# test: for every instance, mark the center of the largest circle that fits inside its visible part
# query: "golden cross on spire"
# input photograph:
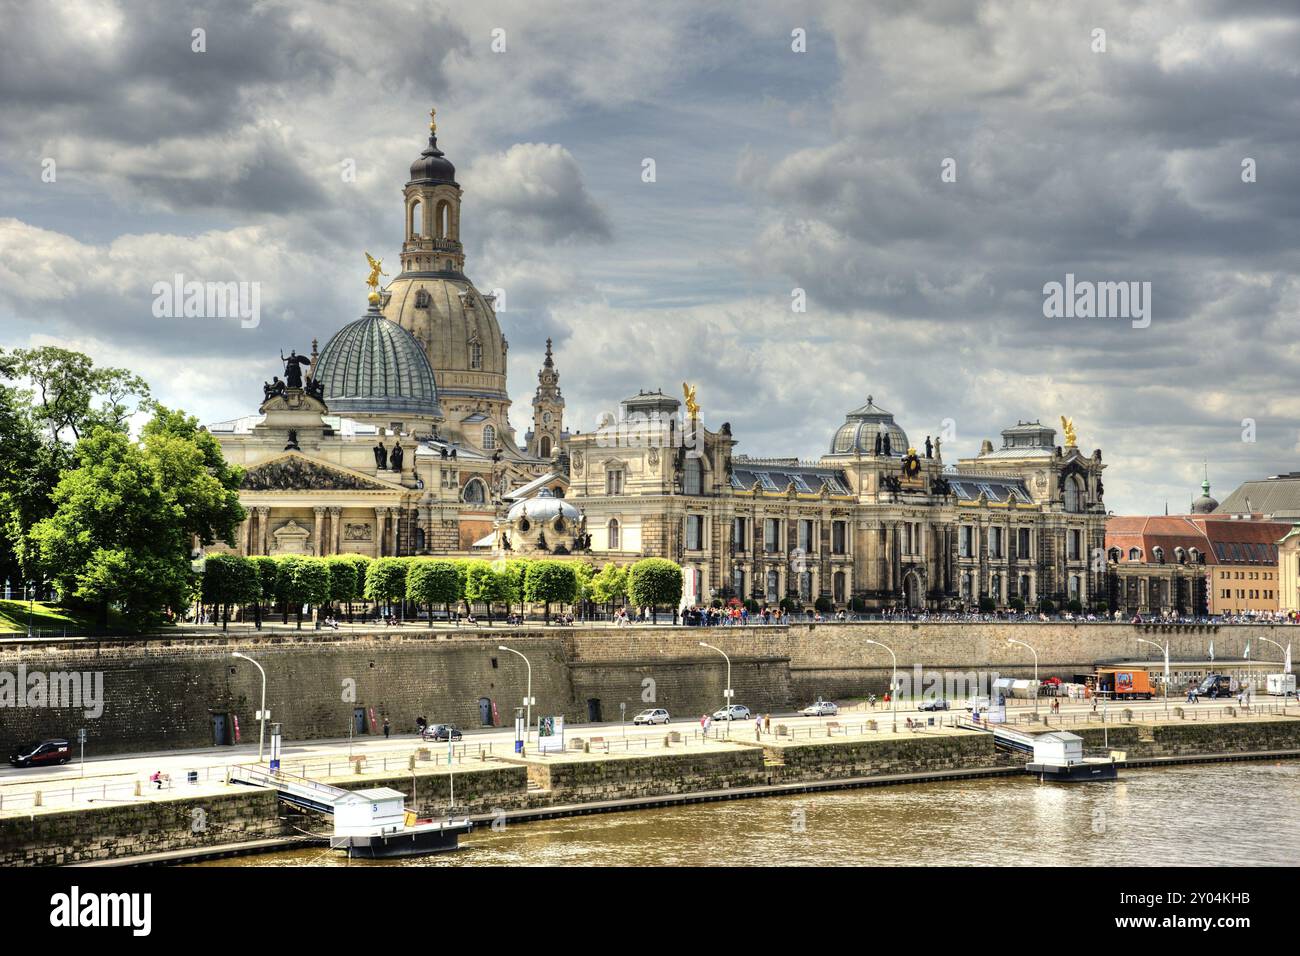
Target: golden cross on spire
(433, 122)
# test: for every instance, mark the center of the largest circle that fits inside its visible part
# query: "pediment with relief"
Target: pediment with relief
(299, 473)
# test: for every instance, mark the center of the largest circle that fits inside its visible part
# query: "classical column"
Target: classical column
(381, 515)
(396, 514)
(245, 530)
(336, 531)
(317, 545)
(264, 529)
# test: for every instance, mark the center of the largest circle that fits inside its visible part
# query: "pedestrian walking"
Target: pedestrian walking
(387, 729)
(758, 726)
(767, 723)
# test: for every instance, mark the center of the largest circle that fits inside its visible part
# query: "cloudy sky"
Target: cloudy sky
(775, 170)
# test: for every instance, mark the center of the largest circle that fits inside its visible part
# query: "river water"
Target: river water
(1214, 814)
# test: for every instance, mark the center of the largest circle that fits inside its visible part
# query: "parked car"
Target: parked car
(738, 712)
(656, 716)
(41, 753)
(821, 708)
(934, 705)
(440, 732)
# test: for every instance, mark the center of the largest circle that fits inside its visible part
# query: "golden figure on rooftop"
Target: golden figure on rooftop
(1067, 426)
(376, 270)
(692, 406)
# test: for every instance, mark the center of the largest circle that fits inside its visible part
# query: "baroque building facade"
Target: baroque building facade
(398, 441)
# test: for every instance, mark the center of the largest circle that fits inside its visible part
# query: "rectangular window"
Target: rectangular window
(614, 482)
(771, 534)
(1022, 543)
(738, 533)
(1073, 545)
(806, 535)
(839, 536)
(695, 532)
(995, 542)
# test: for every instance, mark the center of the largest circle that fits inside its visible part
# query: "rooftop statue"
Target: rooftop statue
(376, 270)
(293, 368)
(1067, 426)
(692, 406)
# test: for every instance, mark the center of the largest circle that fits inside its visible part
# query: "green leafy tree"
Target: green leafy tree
(484, 584)
(386, 580)
(361, 564)
(228, 579)
(301, 581)
(610, 585)
(550, 582)
(652, 582)
(344, 586)
(267, 570)
(71, 395)
(125, 517)
(431, 582)
(515, 570)
(584, 572)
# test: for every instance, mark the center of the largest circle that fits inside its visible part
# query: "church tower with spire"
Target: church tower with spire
(434, 300)
(548, 411)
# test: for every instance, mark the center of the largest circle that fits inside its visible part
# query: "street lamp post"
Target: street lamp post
(261, 733)
(893, 682)
(1012, 640)
(1164, 650)
(728, 693)
(528, 698)
(1286, 660)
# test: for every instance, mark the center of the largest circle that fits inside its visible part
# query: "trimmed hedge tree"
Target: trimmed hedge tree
(430, 582)
(550, 582)
(655, 581)
(386, 580)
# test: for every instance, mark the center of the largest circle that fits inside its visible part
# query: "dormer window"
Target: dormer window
(422, 299)
(489, 438)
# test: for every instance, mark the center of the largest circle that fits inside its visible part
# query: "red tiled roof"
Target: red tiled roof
(1202, 532)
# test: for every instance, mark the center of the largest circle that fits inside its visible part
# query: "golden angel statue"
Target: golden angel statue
(376, 270)
(692, 406)
(1067, 426)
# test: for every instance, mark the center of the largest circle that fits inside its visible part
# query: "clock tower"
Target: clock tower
(548, 411)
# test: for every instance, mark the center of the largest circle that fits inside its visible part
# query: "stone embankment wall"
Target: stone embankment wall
(56, 838)
(162, 694)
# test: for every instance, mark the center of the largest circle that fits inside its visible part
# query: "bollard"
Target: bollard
(137, 788)
(36, 797)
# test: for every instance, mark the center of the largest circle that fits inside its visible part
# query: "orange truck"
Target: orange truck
(1124, 684)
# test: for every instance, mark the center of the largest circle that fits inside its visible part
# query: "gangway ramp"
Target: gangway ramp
(300, 791)
(1004, 737)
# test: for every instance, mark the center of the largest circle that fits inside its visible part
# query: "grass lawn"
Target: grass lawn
(13, 617)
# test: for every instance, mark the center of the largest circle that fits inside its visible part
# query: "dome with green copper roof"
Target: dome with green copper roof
(374, 367)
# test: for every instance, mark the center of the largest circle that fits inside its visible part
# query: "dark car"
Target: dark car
(41, 753)
(934, 705)
(440, 732)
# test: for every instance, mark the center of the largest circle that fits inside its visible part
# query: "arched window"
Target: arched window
(1114, 554)
(419, 539)
(1197, 557)
(489, 438)
(475, 355)
(443, 220)
(417, 220)
(544, 447)
(738, 581)
(475, 491)
(1074, 587)
(1180, 555)
(995, 587)
(613, 534)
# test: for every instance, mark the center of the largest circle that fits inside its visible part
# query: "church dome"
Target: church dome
(375, 367)
(861, 426)
(543, 509)
(433, 166)
(1205, 504)
(457, 327)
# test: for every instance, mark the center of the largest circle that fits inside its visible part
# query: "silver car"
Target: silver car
(738, 712)
(656, 716)
(821, 708)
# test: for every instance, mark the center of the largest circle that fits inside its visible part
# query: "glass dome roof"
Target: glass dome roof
(374, 366)
(861, 426)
